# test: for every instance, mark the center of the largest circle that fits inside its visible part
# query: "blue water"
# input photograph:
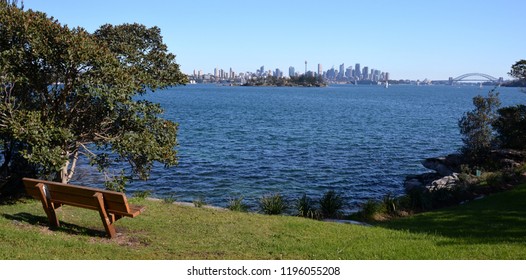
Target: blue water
(361, 141)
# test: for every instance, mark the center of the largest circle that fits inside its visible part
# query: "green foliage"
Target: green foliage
(518, 70)
(309, 81)
(116, 183)
(510, 126)
(272, 204)
(369, 210)
(331, 204)
(142, 194)
(67, 93)
(417, 200)
(170, 199)
(237, 204)
(476, 127)
(390, 204)
(306, 209)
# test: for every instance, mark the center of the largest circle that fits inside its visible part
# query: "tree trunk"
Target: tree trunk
(67, 172)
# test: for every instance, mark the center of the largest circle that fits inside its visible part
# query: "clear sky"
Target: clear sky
(410, 39)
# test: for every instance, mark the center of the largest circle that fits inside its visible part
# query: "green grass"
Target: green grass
(491, 228)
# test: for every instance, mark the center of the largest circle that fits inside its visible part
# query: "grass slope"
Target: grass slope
(491, 228)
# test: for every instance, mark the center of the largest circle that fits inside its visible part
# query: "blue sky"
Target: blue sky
(409, 39)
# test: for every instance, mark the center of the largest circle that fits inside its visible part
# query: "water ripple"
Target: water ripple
(358, 140)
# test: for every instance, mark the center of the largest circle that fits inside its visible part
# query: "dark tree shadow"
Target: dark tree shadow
(499, 218)
(64, 226)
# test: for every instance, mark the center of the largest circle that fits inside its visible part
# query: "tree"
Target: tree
(510, 126)
(67, 93)
(518, 70)
(476, 128)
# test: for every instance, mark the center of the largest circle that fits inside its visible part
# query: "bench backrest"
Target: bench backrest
(114, 202)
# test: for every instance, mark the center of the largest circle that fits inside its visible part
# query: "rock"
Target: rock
(430, 182)
(439, 165)
(412, 184)
(509, 154)
(446, 182)
(415, 182)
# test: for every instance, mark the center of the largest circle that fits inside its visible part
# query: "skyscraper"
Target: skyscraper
(292, 71)
(365, 73)
(320, 70)
(357, 71)
(348, 72)
(341, 73)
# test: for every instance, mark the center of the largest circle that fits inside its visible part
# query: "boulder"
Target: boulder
(411, 184)
(430, 182)
(446, 182)
(439, 165)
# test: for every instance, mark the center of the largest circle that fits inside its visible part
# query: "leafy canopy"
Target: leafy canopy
(65, 93)
(518, 70)
(476, 127)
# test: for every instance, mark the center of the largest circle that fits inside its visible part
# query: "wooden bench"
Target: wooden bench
(111, 205)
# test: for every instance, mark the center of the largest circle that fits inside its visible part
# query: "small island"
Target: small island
(298, 81)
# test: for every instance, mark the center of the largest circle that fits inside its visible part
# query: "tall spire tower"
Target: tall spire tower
(305, 67)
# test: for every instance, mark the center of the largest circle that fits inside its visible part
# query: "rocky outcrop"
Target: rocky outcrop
(507, 158)
(445, 174)
(446, 169)
(445, 166)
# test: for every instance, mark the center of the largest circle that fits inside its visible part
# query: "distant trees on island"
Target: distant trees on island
(302, 81)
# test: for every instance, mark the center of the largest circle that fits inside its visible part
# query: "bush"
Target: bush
(331, 205)
(236, 204)
(272, 204)
(170, 199)
(510, 126)
(390, 205)
(476, 128)
(305, 208)
(417, 200)
(142, 194)
(370, 209)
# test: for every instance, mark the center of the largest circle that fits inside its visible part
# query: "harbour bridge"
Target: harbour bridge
(475, 77)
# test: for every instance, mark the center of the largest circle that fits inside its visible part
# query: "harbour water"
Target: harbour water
(361, 141)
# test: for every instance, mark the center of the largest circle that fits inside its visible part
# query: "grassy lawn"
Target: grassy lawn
(490, 228)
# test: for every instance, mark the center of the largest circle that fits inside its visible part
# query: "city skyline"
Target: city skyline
(412, 39)
(350, 73)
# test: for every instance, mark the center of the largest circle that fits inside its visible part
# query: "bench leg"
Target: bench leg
(49, 208)
(108, 225)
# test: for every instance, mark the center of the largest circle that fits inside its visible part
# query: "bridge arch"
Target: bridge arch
(475, 77)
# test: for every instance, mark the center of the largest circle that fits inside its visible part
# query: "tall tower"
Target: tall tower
(291, 71)
(305, 67)
(357, 70)
(320, 70)
(341, 73)
(365, 73)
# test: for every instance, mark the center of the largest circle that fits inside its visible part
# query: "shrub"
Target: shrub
(476, 127)
(236, 204)
(370, 209)
(510, 127)
(331, 205)
(170, 199)
(142, 194)
(305, 208)
(390, 204)
(272, 204)
(417, 200)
